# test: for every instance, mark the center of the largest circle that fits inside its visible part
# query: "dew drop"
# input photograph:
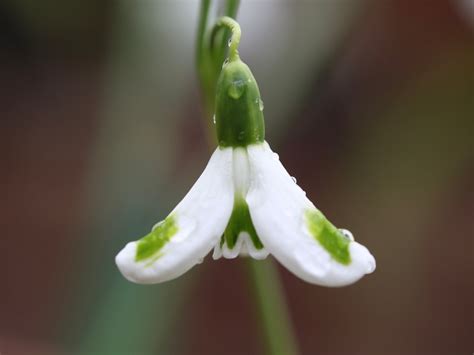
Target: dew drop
(259, 102)
(249, 80)
(236, 89)
(347, 234)
(214, 119)
(230, 42)
(294, 179)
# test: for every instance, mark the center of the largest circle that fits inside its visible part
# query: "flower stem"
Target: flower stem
(203, 16)
(269, 294)
(235, 38)
(273, 311)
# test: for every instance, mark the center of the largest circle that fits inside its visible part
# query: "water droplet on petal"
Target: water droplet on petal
(236, 89)
(214, 119)
(294, 179)
(347, 234)
(230, 42)
(259, 102)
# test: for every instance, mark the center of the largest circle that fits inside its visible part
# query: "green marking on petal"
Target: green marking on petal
(330, 238)
(240, 221)
(150, 245)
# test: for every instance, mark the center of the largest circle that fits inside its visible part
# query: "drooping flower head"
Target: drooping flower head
(245, 203)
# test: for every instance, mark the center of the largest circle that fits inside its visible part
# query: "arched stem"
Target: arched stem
(234, 39)
(279, 335)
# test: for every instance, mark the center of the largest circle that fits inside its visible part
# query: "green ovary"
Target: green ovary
(240, 221)
(330, 238)
(239, 112)
(150, 245)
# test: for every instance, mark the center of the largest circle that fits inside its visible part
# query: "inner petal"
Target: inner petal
(240, 221)
(240, 237)
(240, 171)
(244, 247)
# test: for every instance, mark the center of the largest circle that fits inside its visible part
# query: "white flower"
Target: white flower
(246, 203)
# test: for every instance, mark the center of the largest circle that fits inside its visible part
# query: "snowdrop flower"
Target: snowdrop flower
(245, 203)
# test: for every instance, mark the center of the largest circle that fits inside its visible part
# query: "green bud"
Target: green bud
(239, 108)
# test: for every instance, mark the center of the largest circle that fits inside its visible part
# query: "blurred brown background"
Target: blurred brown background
(370, 104)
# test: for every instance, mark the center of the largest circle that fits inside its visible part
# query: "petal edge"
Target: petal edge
(200, 218)
(278, 207)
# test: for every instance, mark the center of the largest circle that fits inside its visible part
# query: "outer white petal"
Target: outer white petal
(277, 207)
(201, 218)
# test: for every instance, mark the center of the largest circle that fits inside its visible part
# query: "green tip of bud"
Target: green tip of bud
(239, 108)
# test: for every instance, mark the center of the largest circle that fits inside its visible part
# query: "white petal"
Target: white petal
(201, 218)
(277, 207)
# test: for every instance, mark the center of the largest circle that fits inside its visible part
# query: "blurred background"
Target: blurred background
(370, 105)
